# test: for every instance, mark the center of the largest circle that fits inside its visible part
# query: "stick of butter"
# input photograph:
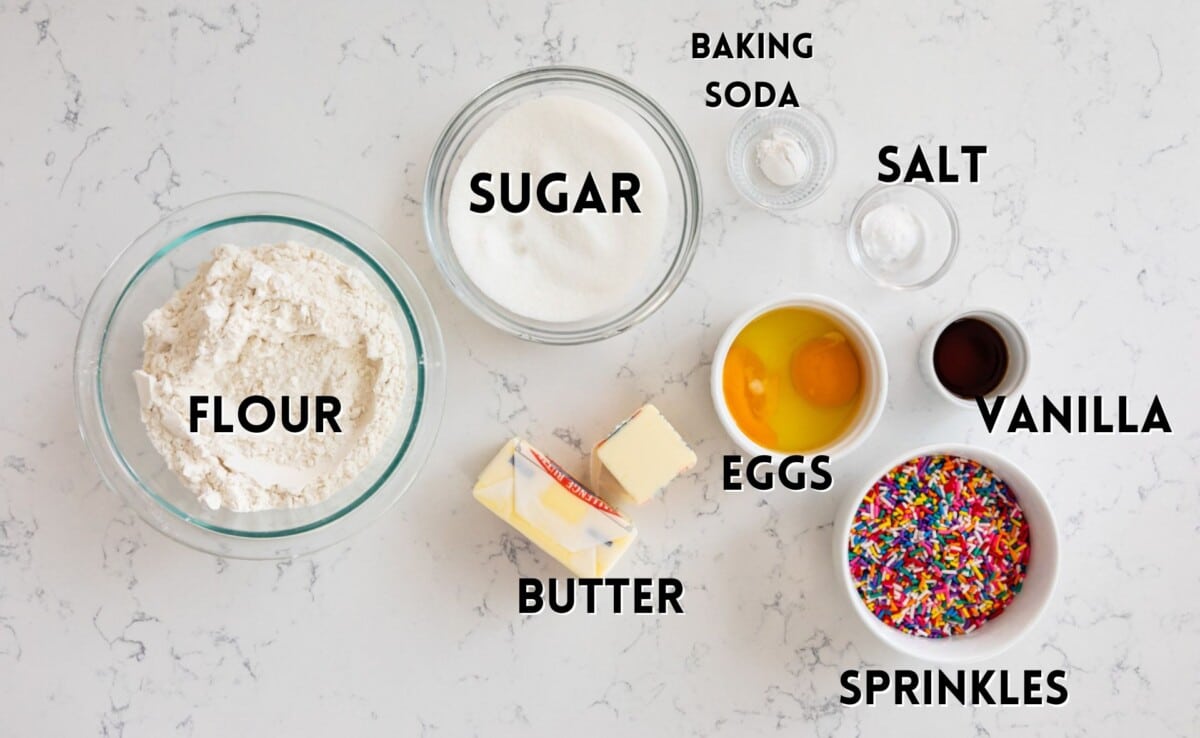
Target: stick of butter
(641, 456)
(538, 498)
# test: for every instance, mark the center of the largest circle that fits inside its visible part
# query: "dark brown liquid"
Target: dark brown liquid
(970, 358)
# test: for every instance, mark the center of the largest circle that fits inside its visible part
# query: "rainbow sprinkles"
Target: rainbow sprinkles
(938, 546)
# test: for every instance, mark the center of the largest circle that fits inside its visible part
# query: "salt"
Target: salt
(891, 234)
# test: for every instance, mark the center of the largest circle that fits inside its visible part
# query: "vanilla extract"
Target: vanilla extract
(1071, 415)
(970, 358)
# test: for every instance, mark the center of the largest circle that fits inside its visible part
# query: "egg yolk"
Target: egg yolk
(751, 394)
(825, 370)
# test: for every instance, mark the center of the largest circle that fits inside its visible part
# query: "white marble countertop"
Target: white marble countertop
(1084, 227)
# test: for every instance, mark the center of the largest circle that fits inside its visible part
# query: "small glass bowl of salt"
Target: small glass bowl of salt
(783, 158)
(903, 236)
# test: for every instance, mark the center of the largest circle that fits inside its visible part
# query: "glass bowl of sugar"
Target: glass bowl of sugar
(562, 205)
(110, 350)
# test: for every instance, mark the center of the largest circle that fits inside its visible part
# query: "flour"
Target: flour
(558, 267)
(274, 320)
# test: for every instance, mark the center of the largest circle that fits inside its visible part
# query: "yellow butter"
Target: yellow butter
(549, 507)
(641, 456)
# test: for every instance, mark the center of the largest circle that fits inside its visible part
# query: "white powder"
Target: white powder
(780, 158)
(891, 234)
(567, 266)
(274, 320)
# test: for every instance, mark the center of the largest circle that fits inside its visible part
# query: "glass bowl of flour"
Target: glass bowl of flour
(329, 307)
(562, 205)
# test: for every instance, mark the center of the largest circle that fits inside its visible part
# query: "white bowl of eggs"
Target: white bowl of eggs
(799, 375)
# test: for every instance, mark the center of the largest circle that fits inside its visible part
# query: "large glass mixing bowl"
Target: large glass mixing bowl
(109, 349)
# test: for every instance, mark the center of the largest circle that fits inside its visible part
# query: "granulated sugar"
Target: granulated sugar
(558, 266)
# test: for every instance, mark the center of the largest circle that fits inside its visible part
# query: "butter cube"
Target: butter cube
(641, 456)
(549, 507)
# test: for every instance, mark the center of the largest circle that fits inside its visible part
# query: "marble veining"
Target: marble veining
(1083, 227)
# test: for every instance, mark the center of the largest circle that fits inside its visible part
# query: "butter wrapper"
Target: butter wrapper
(540, 499)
